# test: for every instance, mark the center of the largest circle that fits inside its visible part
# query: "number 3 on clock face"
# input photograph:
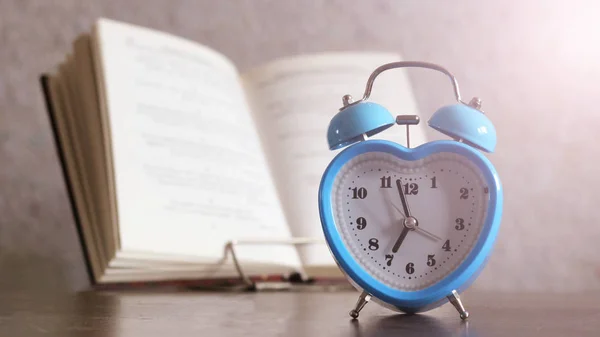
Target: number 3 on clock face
(409, 225)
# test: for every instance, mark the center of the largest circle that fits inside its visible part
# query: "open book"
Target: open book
(170, 152)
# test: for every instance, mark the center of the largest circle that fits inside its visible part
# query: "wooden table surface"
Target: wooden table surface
(287, 314)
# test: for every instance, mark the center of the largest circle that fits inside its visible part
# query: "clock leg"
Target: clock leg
(362, 300)
(457, 303)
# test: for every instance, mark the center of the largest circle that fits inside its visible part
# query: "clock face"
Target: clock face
(446, 199)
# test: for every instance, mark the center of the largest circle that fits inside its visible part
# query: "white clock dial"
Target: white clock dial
(445, 194)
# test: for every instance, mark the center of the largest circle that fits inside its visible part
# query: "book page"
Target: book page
(188, 168)
(90, 127)
(293, 101)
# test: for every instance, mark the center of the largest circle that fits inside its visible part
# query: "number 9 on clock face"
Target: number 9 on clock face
(409, 223)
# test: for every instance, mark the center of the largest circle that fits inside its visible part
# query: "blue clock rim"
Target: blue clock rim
(463, 276)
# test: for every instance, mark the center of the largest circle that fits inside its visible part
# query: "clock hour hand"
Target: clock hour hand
(400, 239)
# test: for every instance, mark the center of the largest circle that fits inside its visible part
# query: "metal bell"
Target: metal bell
(466, 124)
(355, 121)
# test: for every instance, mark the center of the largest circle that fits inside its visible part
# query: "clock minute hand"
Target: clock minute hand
(403, 198)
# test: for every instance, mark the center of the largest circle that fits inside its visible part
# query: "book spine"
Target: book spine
(61, 155)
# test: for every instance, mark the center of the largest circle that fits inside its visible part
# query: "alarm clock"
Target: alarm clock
(411, 228)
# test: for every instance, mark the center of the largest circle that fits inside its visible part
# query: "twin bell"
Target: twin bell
(463, 122)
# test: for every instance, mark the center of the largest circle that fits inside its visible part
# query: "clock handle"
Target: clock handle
(410, 64)
(464, 122)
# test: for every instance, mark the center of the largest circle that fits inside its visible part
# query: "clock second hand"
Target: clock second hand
(427, 233)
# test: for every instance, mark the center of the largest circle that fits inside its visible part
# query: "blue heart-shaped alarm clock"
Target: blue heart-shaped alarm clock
(410, 227)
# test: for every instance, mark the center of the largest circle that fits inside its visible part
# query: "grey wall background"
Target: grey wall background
(536, 65)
